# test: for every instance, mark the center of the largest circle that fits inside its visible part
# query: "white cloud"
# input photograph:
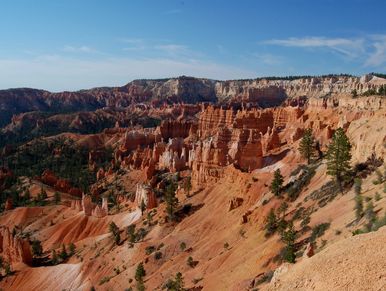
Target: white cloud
(171, 48)
(377, 56)
(345, 46)
(56, 73)
(79, 49)
(368, 50)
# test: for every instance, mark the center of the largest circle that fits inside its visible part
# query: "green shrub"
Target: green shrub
(157, 255)
(319, 230)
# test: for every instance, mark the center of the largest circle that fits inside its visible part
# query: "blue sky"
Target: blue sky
(73, 44)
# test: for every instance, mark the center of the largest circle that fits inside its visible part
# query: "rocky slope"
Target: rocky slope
(221, 157)
(262, 92)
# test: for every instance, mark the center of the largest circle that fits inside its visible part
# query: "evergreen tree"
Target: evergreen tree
(72, 249)
(277, 183)
(37, 249)
(306, 147)
(171, 200)
(371, 216)
(179, 280)
(283, 208)
(289, 237)
(139, 274)
(63, 254)
(27, 195)
(115, 232)
(271, 223)
(338, 157)
(131, 232)
(7, 269)
(54, 257)
(188, 185)
(358, 199)
(175, 285)
(43, 194)
(143, 206)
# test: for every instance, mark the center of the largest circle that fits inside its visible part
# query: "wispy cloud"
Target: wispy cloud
(378, 56)
(175, 50)
(345, 46)
(79, 49)
(56, 72)
(369, 50)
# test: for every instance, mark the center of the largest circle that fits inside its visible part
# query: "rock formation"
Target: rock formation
(13, 248)
(145, 193)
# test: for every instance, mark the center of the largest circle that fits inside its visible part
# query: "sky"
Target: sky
(75, 44)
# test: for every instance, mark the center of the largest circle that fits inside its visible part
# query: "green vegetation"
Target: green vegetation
(171, 200)
(358, 199)
(277, 183)
(139, 274)
(114, 229)
(381, 91)
(37, 249)
(182, 246)
(294, 188)
(289, 237)
(72, 163)
(72, 249)
(149, 250)
(338, 157)
(157, 255)
(319, 231)
(307, 145)
(63, 253)
(190, 262)
(175, 285)
(131, 233)
(271, 224)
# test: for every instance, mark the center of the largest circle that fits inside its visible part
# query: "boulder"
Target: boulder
(235, 202)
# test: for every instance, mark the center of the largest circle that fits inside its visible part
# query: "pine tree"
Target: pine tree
(131, 232)
(171, 200)
(338, 157)
(7, 268)
(143, 206)
(63, 254)
(27, 195)
(43, 194)
(358, 199)
(277, 183)
(306, 147)
(37, 249)
(289, 237)
(370, 215)
(179, 282)
(72, 249)
(139, 274)
(188, 185)
(271, 223)
(54, 257)
(115, 232)
(283, 208)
